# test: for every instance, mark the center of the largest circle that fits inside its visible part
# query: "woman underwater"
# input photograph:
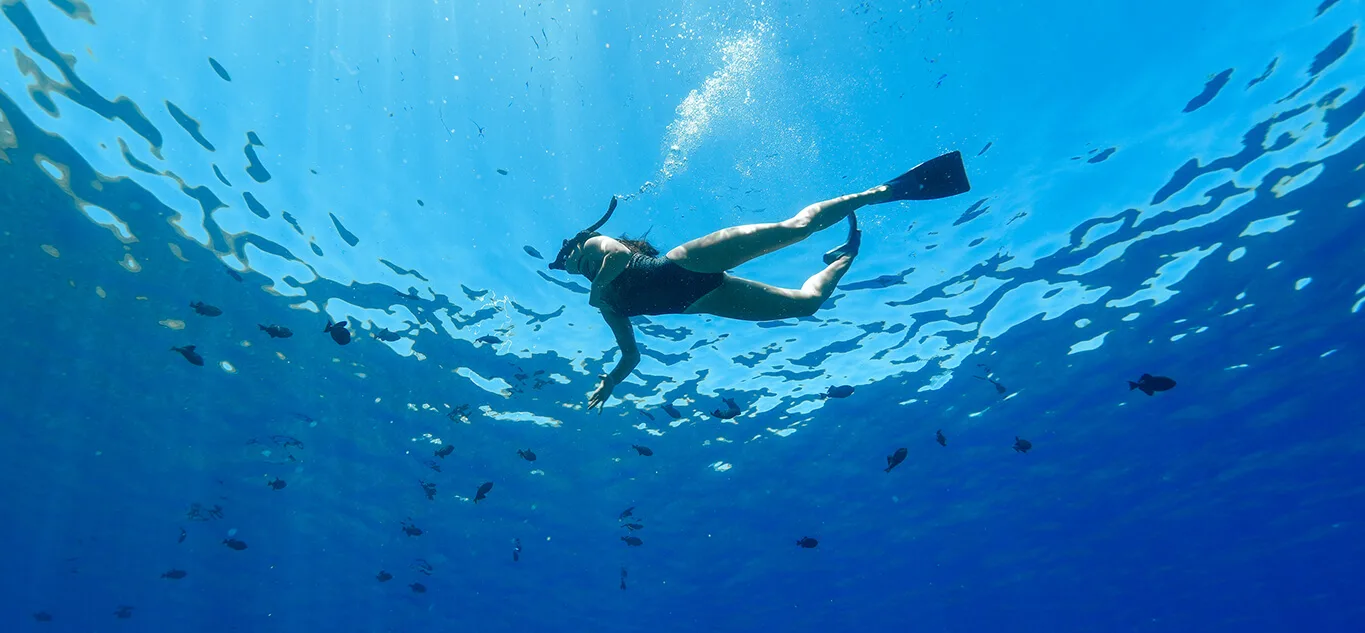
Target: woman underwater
(629, 279)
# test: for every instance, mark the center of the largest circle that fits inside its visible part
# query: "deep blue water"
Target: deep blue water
(1157, 188)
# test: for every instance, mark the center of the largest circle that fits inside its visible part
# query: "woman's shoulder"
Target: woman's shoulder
(606, 244)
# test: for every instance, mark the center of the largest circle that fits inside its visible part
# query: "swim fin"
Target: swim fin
(850, 247)
(932, 179)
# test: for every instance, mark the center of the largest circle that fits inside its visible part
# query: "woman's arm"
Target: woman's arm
(630, 357)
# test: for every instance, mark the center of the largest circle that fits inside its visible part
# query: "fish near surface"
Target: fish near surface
(1150, 384)
(893, 460)
(643, 450)
(483, 491)
(190, 355)
(338, 331)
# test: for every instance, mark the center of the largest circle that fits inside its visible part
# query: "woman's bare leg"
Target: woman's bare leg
(727, 248)
(739, 298)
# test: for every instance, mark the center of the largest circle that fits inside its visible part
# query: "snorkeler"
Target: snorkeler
(630, 279)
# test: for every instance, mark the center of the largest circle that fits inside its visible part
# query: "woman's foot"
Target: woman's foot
(850, 247)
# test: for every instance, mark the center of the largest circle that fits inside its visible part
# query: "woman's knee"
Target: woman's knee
(799, 224)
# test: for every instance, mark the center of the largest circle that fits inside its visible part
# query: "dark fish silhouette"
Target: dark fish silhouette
(422, 566)
(123, 612)
(626, 513)
(383, 576)
(1149, 384)
(276, 331)
(445, 450)
(838, 391)
(483, 491)
(940, 438)
(1022, 446)
(183, 534)
(42, 616)
(174, 574)
(729, 414)
(502, 171)
(807, 542)
(205, 309)
(532, 252)
(385, 335)
(623, 578)
(672, 411)
(516, 549)
(418, 587)
(429, 489)
(643, 450)
(489, 339)
(999, 388)
(632, 541)
(190, 355)
(411, 529)
(339, 332)
(527, 455)
(893, 460)
(234, 544)
(633, 526)
(278, 484)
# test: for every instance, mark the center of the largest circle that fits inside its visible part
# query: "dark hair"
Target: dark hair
(639, 245)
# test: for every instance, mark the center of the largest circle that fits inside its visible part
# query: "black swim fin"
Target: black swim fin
(932, 179)
(850, 247)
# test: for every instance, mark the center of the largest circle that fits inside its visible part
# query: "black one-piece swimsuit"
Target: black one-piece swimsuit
(657, 285)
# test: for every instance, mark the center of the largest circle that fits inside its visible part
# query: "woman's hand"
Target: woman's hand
(601, 394)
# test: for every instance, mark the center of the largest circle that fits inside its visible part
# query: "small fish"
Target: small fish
(339, 332)
(623, 578)
(429, 489)
(646, 415)
(807, 542)
(940, 438)
(633, 526)
(628, 512)
(532, 252)
(234, 544)
(383, 576)
(1022, 446)
(516, 549)
(183, 534)
(502, 171)
(123, 612)
(483, 491)
(42, 616)
(983, 150)
(206, 309)
(419, 200)
(632, 541)
(999, 388)
(233, 274)
(276, 331)
(278, 484)
(643, 450)
(490, 340)
(385, 335)
(672, 411)
(838, 391)
(411, 529)
(728, 414)
(893, 460)
(418, 587)
(527, 455)
(1148, 383)
(421, 566)
(432, 465)
(445, 451)
(174, 574)
(190, 355)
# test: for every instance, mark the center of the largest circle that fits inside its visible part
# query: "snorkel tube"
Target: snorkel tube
(562, 258)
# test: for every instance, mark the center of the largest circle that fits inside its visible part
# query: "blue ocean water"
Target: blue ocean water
(1163, 187)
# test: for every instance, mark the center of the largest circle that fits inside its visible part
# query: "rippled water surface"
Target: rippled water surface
(1164, 188)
